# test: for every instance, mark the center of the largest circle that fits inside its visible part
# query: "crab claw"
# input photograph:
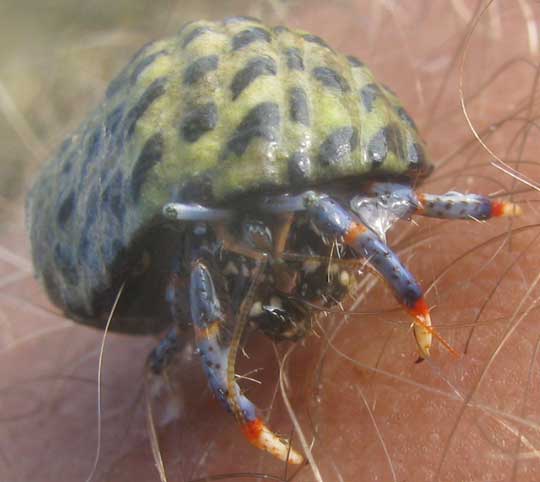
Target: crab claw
(263, 438)
(422, 334)
(331, 219)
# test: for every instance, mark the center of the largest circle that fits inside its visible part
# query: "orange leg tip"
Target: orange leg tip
(422, 327)
(505, 209)
(424, 332)
(352, 234)
(420, 309)
(421, 201)
(263, 438)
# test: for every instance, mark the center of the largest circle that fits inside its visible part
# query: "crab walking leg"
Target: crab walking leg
(455, 205)
(334, 221)
(402, 201)
(213, 343)
(161, 356)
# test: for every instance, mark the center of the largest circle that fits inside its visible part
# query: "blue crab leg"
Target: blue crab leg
(213, 342)
(401, 201)
(455, 205)
(162, 354)
(332, 220)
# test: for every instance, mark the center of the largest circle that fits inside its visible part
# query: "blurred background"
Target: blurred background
(354, 387)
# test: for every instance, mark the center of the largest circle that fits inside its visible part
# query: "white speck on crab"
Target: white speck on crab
(230, 268)
(275, 301)
(344, 278)
(333, 268)
(256, 309)
(173, 410)
(310, 265)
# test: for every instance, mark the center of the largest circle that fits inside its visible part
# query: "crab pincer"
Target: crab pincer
(332, 220)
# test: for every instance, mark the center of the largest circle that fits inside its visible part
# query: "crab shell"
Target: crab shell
(213, 114)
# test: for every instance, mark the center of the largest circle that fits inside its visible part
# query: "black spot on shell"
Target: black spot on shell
(240, 19)
(112, 196)
(338, 146)
(113, 121)
(199, 121)
(64, 262)
(280, 29)
(140, 53)
(299, 168)
(369, 94)
(92, 207)
(196, 32)
(116, 85)
(93, 148)
(315, 39)
(388, 139)
(261, 121)
(330, 78)
(294, 59)
(253, 34)
(378, 148)
(197, 189)
(121, 79)
(143, 63)
(87, 251)
(255, 68)
(94, 144)
(68, 163)
(155, 90)
(64, 147)
(66, 209)
(354, 62)
(199, 68)
(416, 155)
(151, 154)
(298, 105)
(404, 116)
(111, 251)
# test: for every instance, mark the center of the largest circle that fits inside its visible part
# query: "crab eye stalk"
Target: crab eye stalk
(195, 212)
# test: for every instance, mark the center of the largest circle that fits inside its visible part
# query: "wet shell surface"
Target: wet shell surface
(212, 115)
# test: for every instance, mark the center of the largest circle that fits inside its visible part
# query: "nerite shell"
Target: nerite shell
(207, 115)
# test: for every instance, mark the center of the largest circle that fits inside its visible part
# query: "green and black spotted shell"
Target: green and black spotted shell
(215, 111)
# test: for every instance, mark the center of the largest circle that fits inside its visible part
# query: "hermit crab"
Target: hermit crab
(226, 165)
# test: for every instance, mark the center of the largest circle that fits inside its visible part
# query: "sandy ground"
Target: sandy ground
(375, 415)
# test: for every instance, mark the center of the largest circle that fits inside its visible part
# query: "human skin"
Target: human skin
(375, 414)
